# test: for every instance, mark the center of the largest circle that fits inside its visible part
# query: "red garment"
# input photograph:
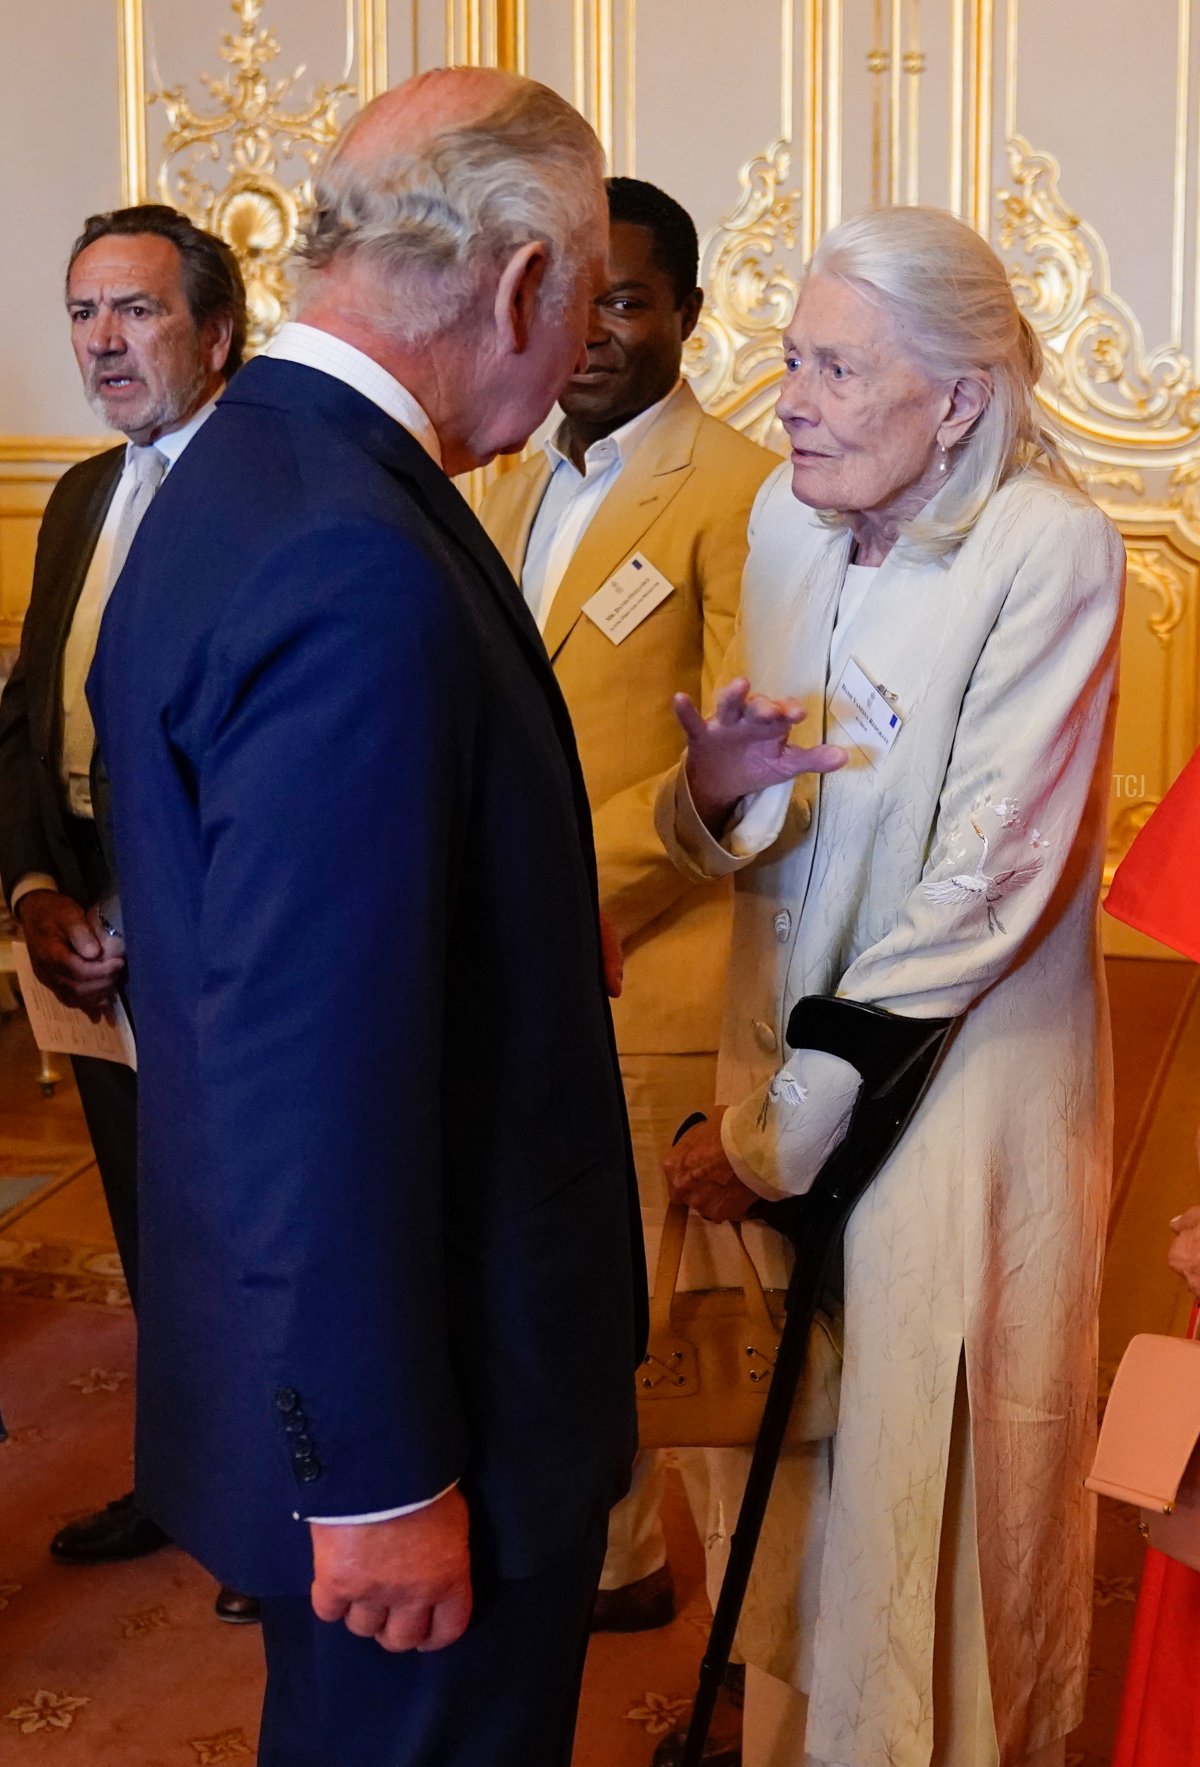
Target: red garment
(1160, 1710)
(1159, 1724)
(1157, 886)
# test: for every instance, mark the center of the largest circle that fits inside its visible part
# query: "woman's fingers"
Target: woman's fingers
(731, 702)
(827, 757)
(694, 725)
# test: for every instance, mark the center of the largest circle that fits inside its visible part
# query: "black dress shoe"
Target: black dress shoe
(636, 1607)
(118, 1531)
(723, 1747)
(236, 1609)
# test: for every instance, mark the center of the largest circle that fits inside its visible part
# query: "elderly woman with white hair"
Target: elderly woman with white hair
(931, 590)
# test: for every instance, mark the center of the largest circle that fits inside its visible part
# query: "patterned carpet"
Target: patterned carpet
(125, 1666)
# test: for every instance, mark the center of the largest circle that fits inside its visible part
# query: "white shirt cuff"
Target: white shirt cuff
(32, 880)
(380, 1515)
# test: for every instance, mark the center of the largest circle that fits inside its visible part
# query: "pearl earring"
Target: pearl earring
(944, 462)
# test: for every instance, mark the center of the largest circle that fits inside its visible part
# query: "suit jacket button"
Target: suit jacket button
(302, 1447)
(287, 1399)
(764, 1036)
(309, 1468)
(295, 1423)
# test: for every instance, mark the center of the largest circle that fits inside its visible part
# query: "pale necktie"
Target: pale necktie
(146, 467)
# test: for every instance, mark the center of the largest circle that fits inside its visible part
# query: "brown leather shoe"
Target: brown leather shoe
(724, 1745)
(636, 1607)
(118, 1531)
(236, 1609)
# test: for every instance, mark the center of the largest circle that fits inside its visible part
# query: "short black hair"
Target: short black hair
(674, 232)
(212, 279)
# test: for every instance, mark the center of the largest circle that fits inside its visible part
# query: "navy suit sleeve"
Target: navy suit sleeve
(333, 781)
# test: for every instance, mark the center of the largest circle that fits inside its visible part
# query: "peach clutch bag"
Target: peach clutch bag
(1147, 1453)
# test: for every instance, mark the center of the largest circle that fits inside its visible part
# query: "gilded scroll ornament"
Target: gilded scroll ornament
(258, 123)
(1148, 567)
(1104, 382)
(732, 358)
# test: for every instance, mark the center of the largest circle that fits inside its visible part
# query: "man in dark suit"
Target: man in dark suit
(388, 1205)
(158, 322)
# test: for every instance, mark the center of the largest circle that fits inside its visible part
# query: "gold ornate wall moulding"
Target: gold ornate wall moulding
(733, 357)
(1105, 384)
(240, 160)
(1153, 569)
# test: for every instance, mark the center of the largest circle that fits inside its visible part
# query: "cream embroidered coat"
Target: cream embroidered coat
(958, 877)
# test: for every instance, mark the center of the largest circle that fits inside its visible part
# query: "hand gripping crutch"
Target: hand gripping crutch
(896, 1058)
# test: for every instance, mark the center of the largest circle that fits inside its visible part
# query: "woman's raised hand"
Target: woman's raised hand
(743, 748)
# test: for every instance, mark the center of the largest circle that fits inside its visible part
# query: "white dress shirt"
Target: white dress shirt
(570, 501)
(85, 627)
(312, 348)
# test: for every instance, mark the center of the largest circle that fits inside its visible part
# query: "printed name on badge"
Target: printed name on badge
(627, 598)
(865, 714)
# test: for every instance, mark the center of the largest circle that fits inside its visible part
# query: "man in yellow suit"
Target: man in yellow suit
(627, 534)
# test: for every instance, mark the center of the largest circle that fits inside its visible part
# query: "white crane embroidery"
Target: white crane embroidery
(980, 886)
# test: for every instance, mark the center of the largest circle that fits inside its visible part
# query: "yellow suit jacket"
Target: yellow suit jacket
(682, 500)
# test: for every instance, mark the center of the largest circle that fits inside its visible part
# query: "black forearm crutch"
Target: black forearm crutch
(896, 1058)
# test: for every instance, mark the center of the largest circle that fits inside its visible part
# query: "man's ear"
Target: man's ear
(689, 313)
(517, 295)
(215, 339)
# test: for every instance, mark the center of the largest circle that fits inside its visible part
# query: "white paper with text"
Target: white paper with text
(64, 1030)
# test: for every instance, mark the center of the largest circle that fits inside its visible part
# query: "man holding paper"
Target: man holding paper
(627, 533)
(157, 313)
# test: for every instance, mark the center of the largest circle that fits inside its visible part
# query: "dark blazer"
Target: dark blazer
(389, 1225)
(32, 804)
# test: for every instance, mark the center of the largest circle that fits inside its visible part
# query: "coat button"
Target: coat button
(287, 1399)
(783, 926)
(295, 1423)
(309, 1468)
(764, 1036)
(302, 1447)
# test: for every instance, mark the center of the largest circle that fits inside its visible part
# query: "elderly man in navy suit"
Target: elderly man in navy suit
(388, 1213)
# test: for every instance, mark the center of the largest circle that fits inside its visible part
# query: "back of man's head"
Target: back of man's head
(434, 185)
(670, 226)
(212, 278)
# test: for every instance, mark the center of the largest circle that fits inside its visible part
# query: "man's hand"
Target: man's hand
(406, 1583)
(743, 748)
(1184, 1254)
(67, 953)
(614, 957)
(699, 1174)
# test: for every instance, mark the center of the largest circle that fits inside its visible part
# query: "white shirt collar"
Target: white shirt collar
(175, 441)
(313, 348)
(617, 446)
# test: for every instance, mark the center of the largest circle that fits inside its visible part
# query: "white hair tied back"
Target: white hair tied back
(951, 300)
(432, 220)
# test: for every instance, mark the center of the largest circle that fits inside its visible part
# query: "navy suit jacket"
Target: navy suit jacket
(389, 1229)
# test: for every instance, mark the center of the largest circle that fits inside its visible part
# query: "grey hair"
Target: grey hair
(432, 220)
(953, 304)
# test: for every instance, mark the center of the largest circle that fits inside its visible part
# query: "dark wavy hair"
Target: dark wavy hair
(212, 280)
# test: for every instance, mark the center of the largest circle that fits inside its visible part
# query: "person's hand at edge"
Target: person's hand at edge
(68, 953)
(699, 1174)
(405, 1582)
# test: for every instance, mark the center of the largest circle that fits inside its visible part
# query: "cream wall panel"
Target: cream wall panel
(59, 162)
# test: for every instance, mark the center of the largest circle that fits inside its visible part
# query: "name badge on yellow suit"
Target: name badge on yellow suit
(865, 714)
(629, 596)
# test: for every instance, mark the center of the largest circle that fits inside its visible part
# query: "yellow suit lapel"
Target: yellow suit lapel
(511, 513)
(660, 465)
